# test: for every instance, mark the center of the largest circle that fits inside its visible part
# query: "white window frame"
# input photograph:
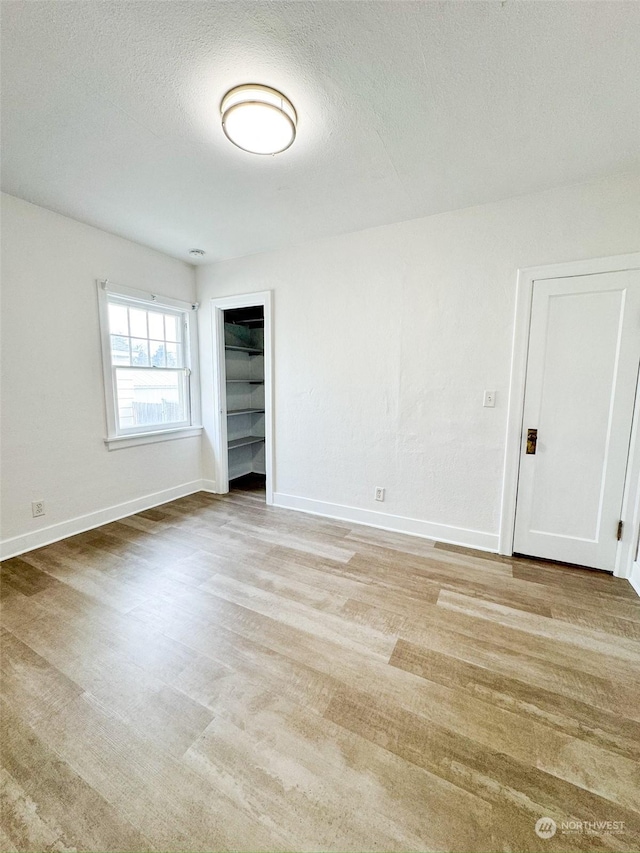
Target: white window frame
(117, 438)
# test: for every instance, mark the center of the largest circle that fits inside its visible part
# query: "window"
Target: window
(148, 354)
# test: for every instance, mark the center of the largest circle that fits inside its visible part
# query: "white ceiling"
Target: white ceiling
(110, 111)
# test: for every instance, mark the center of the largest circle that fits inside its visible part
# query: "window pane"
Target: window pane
(172, 327)
(156, 326)
(149, 398)
(174, 355)
(140, 352)
(158, 354)
(118, 322)
(120, 350)
(138, 321)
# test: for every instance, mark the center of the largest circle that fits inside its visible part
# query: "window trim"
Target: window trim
(117, 439)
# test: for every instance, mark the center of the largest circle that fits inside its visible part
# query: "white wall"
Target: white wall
(53, 419)
(385, 340)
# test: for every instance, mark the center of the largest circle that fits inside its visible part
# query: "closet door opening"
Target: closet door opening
(242, 435)
(244, 386)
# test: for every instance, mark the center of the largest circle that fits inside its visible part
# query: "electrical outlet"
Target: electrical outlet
(489, 400)
(379, 493)
(37, 508)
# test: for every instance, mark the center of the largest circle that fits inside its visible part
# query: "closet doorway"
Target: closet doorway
(242, 391)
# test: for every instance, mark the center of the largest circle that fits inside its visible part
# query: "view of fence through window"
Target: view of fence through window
(147, 357)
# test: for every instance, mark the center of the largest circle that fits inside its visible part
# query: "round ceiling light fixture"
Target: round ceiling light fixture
(258, 119)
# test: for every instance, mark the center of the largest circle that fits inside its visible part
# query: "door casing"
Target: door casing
(631, 502)
(219, 438)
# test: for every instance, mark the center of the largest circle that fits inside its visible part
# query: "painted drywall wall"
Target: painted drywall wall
(53, 418)
(384, 341)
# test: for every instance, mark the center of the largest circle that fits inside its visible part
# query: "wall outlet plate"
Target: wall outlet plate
(37, 509)
(489, 400)
(379, 493)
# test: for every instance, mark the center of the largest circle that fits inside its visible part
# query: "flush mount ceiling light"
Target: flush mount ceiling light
(258, 119)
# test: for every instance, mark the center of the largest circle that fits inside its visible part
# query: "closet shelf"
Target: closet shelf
(242, 442)
(243, 391)
(250, 350)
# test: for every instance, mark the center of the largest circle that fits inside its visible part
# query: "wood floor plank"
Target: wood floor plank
(388, 539)
(328, 575)
(17, 574)
(612, 731)
(489, 774)
(155, 710)
(219, 647)
(300, 615)
(245, 572)
(572, 578)
(282, 760)
(322, 546)
(597, 620)
(627, 650)
(512, 654)
(216, 674)
(75, 572)
(608, 683)
(493, 727)
(47, 805)
(164, 800)
(31, 682)
(21, 821)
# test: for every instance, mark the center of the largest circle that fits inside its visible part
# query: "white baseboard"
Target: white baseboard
(46, 535)
(634, 577)
(399, 524)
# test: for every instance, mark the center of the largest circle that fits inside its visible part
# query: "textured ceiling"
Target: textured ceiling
(110, 111)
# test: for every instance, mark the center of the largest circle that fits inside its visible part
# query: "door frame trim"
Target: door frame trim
(219, 437)
(520, 352)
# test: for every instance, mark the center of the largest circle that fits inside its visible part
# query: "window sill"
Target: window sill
(119, 442)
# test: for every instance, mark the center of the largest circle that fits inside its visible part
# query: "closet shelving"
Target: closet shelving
(244, 440)
(244, 363)
(250, 350)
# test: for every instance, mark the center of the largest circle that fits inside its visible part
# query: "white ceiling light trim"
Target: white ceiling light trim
(258, 119)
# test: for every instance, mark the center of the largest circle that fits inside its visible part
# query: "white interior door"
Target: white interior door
(582, 373)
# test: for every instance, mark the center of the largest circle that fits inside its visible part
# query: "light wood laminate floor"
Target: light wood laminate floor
(215, 674)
